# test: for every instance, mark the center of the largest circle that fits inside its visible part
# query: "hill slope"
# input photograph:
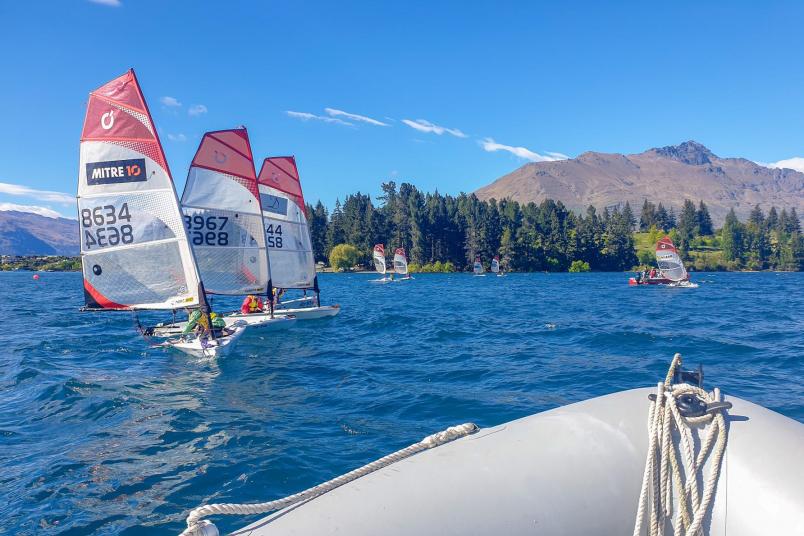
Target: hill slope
(667, 175)
(24, 233)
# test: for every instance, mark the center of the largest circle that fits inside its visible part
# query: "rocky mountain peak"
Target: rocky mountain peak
(689, 152)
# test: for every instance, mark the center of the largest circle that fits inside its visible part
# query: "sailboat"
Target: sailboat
(379, 264)
(478, 267)
(223, 217)
(495, 266)
(287, 238)
(134, 249)
(401, 264)
(671, 270)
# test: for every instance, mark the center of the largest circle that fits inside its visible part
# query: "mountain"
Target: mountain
(667, 175)
(25, 233)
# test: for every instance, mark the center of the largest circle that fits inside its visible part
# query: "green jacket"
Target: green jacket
(196, 317)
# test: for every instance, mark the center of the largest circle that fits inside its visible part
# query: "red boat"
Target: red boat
(671, 269)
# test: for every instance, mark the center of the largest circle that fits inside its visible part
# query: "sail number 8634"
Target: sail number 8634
(102, 226)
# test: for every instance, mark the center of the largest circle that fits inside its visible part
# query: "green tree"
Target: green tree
(731, 239)
(344, 257)
(704, 220)
(317, 220)
(579, 266)
(687, 226)
(647, 217)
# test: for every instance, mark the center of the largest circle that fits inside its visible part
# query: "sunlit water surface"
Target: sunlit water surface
(99, 434)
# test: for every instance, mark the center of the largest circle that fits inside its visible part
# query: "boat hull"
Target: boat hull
(572, 470)
(213, 349)
(309, 313)
(257, 322)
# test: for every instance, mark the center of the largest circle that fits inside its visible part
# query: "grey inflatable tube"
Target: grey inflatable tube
(572, 470)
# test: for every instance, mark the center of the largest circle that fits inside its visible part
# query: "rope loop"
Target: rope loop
(197, 526)
(664, 468)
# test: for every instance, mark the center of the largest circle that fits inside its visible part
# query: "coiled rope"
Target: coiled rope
(196, 526)
(663, 467)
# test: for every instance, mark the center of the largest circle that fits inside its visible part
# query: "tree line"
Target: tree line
(435, 228)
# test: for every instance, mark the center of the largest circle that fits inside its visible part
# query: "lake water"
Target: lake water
(101, 435)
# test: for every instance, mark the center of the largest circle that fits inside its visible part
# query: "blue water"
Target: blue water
(101, 435)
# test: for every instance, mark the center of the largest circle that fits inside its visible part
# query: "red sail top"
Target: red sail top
(380, 248)
(477, 258)
(400, 251)
(665, 244)
(229, 152)
(280, 172)
(497, 258)
(117, 113)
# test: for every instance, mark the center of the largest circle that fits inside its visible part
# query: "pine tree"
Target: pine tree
(648, 216)
(687, 226)
(704, 220)
(317, 220)
(731, 238)
(335, 232)
(628, 214)
(662, 220)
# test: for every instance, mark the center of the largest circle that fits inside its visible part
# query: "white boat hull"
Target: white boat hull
(309, 313)
(260, 321)
(213, 348)
(572, 470)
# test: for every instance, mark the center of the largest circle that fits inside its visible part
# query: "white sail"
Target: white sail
(478, 266)
(134, 248)
(400, 261)
(495, 265)
(669, 261)
(379, 259)
(223, 216)
(287, 235)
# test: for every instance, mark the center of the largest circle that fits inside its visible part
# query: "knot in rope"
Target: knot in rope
(664, 468)
(196, 526)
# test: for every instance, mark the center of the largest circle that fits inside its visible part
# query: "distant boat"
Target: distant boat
(134, 248)
(401, 263)
(671, 268)
(379, 264)
(287, 238)
(478, 267)
(495, 266)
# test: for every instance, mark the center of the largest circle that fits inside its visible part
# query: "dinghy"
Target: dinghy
(477, 268)
(379, 264)
(287, 237)
(210, 348)
(401, 264)
(134, 249)
(671, 268)
(672, 459)
(495, 266)
(222, 213)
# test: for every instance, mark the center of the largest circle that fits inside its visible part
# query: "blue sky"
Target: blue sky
(464, 91)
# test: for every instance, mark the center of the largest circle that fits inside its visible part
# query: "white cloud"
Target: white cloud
(171, 102)
(197, 109)
(489, 145)
(796, 163)
(354, 117)
(33, 209)
(177, 137)
(423, 125)
(40, 195)
(111, 3)
(306, 116)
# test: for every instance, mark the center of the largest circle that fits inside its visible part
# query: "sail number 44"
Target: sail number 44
(273, 236)
(103, 227)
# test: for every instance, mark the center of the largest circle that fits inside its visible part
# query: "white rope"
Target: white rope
(196, 526)
(664, 469)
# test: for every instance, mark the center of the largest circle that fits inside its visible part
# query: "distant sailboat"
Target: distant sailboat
(134, 248)
(495, 266)
(287, 237)
(478, 267)
(670, 263)
(401, 263)
(379, 264)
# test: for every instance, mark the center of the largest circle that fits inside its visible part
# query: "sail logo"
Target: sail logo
(107, 120)
(116, 172)
(274, 204)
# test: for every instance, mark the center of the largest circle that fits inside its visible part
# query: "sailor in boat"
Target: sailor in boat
(252, 304)
(206, 326)
(278, 293)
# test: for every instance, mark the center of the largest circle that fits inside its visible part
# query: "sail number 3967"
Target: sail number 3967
(207, 231)
(102, 227)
